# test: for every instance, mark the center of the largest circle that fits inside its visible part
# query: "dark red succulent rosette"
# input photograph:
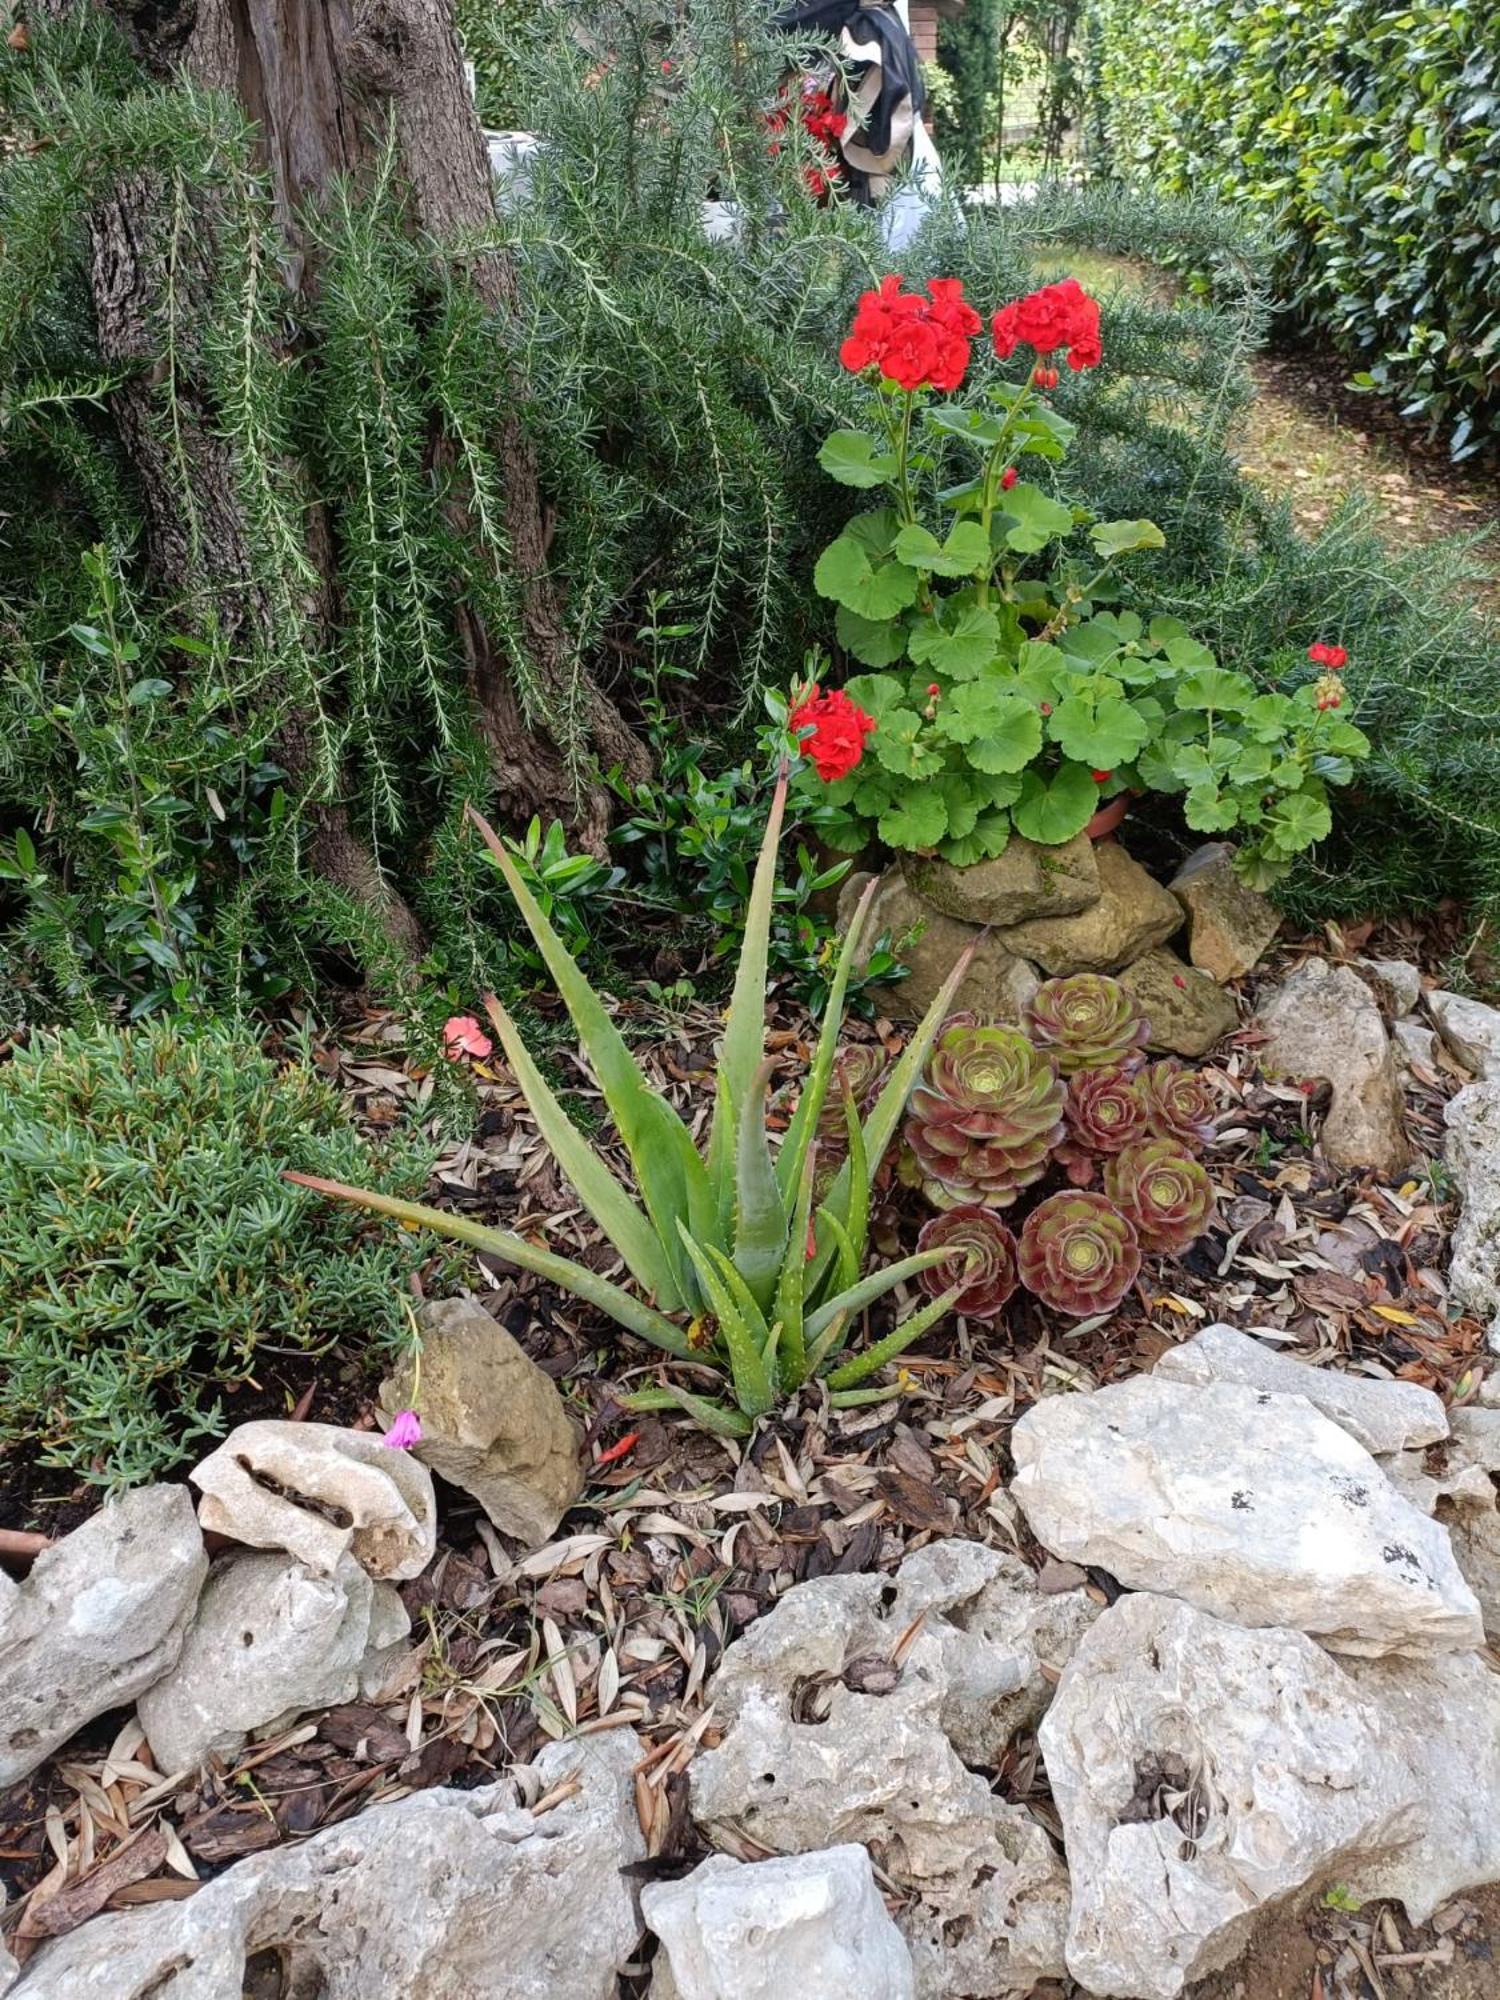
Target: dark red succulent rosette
(1179, 1104)
(1164, 1191)
(1078, 1254)
(1105, 1114)
(986, 1118)
(1087, 1021)
(974, 1233)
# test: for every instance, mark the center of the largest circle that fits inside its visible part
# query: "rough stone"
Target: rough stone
(449, 1895)
(272, 1638)
(1395, 982)
(492, 1421)
(810, 1924)
(1473, 1154)
(1230, 926)
(997, 984)
(1324, 1023)
(319, 1491)
(1203, 1774)
(99, 1619)
(1382, 1416)
(1187, 1010)
(1458, 1482)
(1027, 880)
(1416, 1046)
(1134, 913)
(828, 1740)
(1246, 1504)
(1471, 1030)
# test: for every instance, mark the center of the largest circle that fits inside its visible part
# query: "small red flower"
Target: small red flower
(1101, 777)
(618, 1450)
(1332, 657)
(1046, 708)
(666, 69)
(1008, 478)
(1056, 317)
(463, 1036)
(839, 728)
(915, 341)
(933, 688)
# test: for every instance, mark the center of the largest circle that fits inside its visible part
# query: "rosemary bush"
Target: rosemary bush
(149, 1251)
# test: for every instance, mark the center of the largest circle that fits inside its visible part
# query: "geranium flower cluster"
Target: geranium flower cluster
(1333, 659)
(917, 340)
(839, 728)
(1057, 317)
(824, 123)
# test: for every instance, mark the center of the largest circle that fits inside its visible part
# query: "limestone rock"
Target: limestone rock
(827, 1741)
(1230, 925)
(448, 1895)
(1027, 880)
(1440, 1719)
(1473, 1153)
(1416, 1046)
(1133, 914)
(1323, 1023)
(271, 1639)
(492, 1421)
(1395, 982)
(1458, 1482)
(997, 985)
(1188, 1012)
(1382, 1416)
(319, 1491)
(99, 1619)
(1246, 1504)
(1471, 1030)
(1203, 1774)
(9, 1970)
(810, 1924)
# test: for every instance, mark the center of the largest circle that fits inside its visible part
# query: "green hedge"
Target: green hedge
(1366, 135)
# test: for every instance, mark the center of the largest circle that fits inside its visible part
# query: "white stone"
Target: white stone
(1246, 1504)
(1396, 982)
(319, 1491)
(1440, 1719)
(1473, 1154)
(806, 1924)
(446, 1895)
(1471, 1030)
(1458, 1481)
(99, 1619)
(1382, 1416)
(1323, 1023)
(828, 1740)
(1204, 1773)
(1416, 1046)
(272, 1638)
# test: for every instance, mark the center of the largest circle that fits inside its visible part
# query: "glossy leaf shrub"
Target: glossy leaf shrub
(1165, 1193)
(1366, 135)
(1078, 1254)
(982, 1253)
(1087, 1021)
(986, 1118)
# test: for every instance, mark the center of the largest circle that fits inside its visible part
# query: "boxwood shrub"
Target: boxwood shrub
(1366, 135)
(150, 1253)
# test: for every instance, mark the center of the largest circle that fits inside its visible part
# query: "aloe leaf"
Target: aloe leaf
(745, 1032)
(826, 1343)
(896, 1341)
(560, 1271)
(716, 1417)
(673, 1185)
(760, 1225)
(791, 1292)
(854, 1399)
(740, 1292)
(752, 1385)
(622, 1221)
(857, 1220)
(848, 1269)
(868, 1289)
(810, 1104)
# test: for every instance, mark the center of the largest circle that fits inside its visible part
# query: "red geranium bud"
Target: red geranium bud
(933, 688)
(1101, 777)
(1046, 708)
(1008, 478)
(1039, 376)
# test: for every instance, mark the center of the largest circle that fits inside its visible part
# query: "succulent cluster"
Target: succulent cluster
(1000, 1107)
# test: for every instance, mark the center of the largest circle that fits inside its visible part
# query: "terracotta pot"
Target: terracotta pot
(1108, 817)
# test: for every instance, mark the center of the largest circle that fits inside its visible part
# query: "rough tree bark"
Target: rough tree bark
(319, 78)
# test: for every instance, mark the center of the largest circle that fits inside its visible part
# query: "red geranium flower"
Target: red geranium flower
(1008, 478)
(1058, 316)
(839, 728)
(1332, 657)
(915, 341)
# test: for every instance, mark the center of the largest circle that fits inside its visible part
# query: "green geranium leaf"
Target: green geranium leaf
(875, 642)
(1268, 717)
(1215, 688)
(845, 573)
(965, 551)
(902, 745)
(1207, 810)
(1100, 734)
(996, 788)
(1252, 765)
(845, 832)
(1037, 667)
(1120, 538)
(854, 459)
(1053, 810)
(917, 819)
(957, 644)
(1295, 822)
(961, 802)
(1011, 739)
(875, 693)
(1157, 769)
(876, 790)
(959, 421)
(1031, 519)
(874, 530)
(990, 836)
(1345, 739)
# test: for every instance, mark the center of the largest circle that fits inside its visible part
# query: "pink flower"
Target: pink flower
(463, 1036)
(405, 1431)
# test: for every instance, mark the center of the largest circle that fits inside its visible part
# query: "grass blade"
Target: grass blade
(716, 1417)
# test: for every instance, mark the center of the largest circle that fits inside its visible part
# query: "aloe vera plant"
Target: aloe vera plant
(737, 1258)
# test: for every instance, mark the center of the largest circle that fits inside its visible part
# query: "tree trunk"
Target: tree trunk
(319, 77)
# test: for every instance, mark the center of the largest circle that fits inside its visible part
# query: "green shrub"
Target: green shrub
(1366, 135)
(149, 1250)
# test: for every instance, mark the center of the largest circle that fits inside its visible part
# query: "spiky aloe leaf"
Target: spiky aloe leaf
(815, 1090)
(791, 1291)
(747, 1366)
(870, 1288)
(745, 1032)
(560, 1271)
(760, 1219)
(623, 1222)
(717, 1417)
(896, 1341)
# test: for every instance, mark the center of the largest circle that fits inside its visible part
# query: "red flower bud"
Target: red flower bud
(1101, 777)
(1046, 708)
(933, 688)
(1008, 478)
